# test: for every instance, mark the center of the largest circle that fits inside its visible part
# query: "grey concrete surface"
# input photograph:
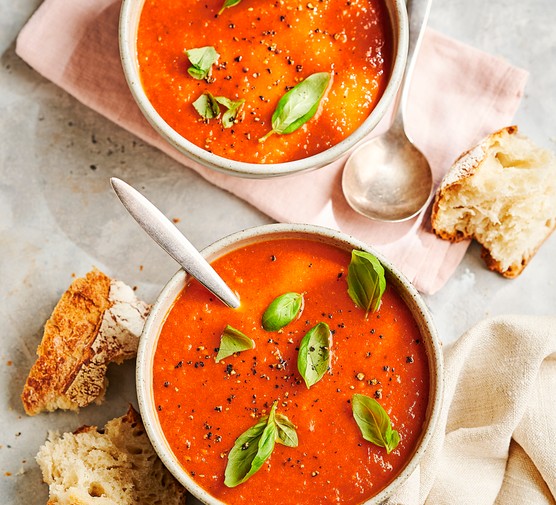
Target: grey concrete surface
(58, 216)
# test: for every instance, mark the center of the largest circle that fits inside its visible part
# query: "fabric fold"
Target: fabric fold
(495, 439)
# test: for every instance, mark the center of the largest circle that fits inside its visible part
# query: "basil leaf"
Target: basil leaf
(201, 59)
(234, 107)
(254, 446)
(299, 104)
(282, 311)
(207, 106)
(366, 281)
(374, 423)
(314, 354)
(287, 435)
(233, 341)
(227, 4)
(251, 449)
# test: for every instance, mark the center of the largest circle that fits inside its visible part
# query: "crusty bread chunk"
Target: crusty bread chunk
(502, 193)
(97, 321)
(117, 466)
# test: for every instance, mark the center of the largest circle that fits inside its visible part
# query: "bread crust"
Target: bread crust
(97, 321)
(66, 345)
(465, 167)
(514, 270)
(113, 466)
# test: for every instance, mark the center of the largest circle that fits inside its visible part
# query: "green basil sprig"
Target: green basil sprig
(287, 435)
(299, 104)
(374, 423)
(254, 446)
(201, 59)
(232, 341)
(227, 4)
(207, 107)
(366, 281)
(282, 311)
(233, 106)
(313, 358)
(251, 449)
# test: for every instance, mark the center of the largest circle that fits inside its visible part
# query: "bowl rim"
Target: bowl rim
(166, 298)
(129, 18)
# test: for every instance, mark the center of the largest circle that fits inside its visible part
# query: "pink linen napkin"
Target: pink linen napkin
(458, 95)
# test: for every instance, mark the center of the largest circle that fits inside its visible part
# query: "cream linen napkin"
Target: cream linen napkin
(458, 95)
(496, 441)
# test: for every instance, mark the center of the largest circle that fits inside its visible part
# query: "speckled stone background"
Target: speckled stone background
(58, 216)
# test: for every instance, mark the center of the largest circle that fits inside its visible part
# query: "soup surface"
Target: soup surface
(204, 406)
(265, 49)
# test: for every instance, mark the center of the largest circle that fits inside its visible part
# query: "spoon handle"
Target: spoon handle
(418, 14)
(167, 236)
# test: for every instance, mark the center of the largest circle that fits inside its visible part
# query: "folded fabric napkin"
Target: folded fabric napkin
(458, 95)
(496, 441)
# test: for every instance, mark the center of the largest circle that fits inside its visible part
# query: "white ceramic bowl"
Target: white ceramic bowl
(153, 326)
(129, 21)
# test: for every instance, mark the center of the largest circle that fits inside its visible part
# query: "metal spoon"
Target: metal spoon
(167, 236)
(388, 178)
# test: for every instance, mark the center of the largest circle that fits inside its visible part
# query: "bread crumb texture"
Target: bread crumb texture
(115, 466)
(97, 321)
(501, 193)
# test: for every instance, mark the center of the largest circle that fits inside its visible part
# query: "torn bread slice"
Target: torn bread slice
(97, 321)
(502, 193)
(115, 466)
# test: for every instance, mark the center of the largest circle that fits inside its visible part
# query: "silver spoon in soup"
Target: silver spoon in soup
(167, 236)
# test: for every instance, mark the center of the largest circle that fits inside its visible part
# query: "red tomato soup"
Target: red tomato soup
(265, 49)
(205, 406)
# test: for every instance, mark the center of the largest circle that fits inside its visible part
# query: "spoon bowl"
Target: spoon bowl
(388, 178)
